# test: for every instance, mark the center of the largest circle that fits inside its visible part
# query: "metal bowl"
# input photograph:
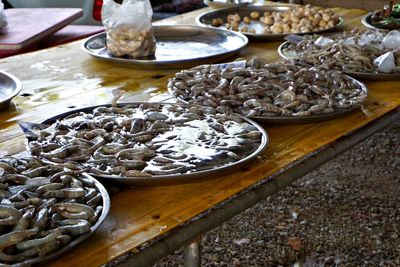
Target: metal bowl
(76, 241)
(205, 20)
(179, 178)
(10, 86)
(227, 3)
(178, 46)
(358, 75)
(366, 21)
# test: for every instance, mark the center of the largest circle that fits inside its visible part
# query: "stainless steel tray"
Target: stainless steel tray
(358, 75)
(366, 22)
(303, 119)
(105, 211)
(205, 20)
(10, 86)
(227, 3)
(179, 178)
(298, 119)
(178, 46)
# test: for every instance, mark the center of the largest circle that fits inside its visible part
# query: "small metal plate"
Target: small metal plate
(366, 21)
(227, 3)
(178, 46)
(10, 86)
(358, 75)
(206, 18)
(179, 178)
(106, 208)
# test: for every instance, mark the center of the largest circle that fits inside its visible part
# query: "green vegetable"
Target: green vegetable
(396, 11)
(389, 23)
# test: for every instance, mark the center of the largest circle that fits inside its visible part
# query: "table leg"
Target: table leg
(192, 254)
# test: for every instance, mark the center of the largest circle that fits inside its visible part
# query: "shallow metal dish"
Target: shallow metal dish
(366, 21)
(300, 119)
(10, 86)
(303, 119)
(359, 75)
(205, 20)
(226, 3)
(178, 178)
(178, 46)
(105, 211)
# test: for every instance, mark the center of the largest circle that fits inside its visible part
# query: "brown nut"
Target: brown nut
(268, 21)
(255, 15)
(246, 20)
(215, 22)
(236, 17)
(326, 17)
(267, 29)
(286, 28)
(234, 24)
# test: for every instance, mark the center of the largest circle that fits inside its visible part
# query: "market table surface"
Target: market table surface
(58, 79)
(27, 26)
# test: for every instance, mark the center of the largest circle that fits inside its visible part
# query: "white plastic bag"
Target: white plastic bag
(3, 19)
(128, 28)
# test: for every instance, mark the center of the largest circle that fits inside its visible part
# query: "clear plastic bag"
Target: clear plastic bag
(128, 28)
(3, 19)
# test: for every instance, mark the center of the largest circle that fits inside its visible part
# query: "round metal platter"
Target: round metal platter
(178, 178)
(358, 75)
(10, 86)
(303, 119)
(366, 22)
(227, 3)
(178, 46)
(106, 208)
(300, 119)
(205, 20)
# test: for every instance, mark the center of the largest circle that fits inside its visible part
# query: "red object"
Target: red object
(97, 9)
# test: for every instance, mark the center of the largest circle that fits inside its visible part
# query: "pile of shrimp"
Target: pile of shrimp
(267, 90)
(43, 208)
(142, 140)
(341, 55)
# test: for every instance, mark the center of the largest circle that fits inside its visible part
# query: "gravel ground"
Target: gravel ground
(346, 213)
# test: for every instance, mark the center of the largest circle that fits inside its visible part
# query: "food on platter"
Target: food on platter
(366, 51)
(146, 139)
(388, 17)
(268, 90)
(128, 28)
(43, 208)
(303, 19)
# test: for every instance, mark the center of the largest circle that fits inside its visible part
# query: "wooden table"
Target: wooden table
(27, 26)
(58, 79)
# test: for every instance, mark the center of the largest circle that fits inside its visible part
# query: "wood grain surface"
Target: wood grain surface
(56, 79)
(29, 25)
